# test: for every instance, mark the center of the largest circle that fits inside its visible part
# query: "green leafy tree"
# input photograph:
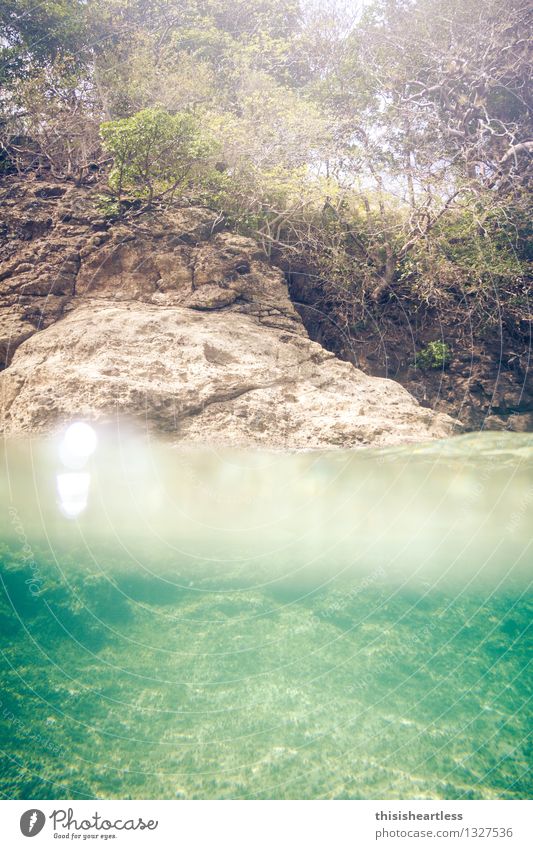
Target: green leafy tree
(155, 154)
(34, 34)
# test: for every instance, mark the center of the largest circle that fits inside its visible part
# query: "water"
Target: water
(196, 624)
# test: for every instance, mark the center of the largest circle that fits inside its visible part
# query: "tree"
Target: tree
(32, 35)
(454, 76)
(430, 99)
(155, 154)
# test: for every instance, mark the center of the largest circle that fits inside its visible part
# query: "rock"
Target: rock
(22, 267)
(50, 192)
(13, 331)
(188, 331)
(217, 378)
(493, 422)
(521, 422)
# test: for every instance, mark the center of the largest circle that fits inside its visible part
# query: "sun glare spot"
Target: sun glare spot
(77, 445)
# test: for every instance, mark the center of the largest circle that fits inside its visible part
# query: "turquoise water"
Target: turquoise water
(198, 624)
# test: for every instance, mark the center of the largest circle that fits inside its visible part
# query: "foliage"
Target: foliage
(387, 153)
(52, 123)
(454, 80)
(155, 154)
(34, 34)
(436, 355)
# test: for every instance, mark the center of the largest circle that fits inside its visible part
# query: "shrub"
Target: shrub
(155, 154)
(435, 355)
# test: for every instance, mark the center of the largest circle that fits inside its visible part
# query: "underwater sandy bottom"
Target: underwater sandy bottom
(254, 626)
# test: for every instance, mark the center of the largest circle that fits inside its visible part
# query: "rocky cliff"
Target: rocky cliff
(177, 324)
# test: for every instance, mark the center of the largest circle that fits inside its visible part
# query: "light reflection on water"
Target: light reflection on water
(73, 491)
(225, 624)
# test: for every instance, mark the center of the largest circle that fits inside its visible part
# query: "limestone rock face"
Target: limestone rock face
(217, 378)
(190, 331)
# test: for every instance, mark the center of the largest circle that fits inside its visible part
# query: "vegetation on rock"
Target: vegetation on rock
(435, 355)
(385, 153)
